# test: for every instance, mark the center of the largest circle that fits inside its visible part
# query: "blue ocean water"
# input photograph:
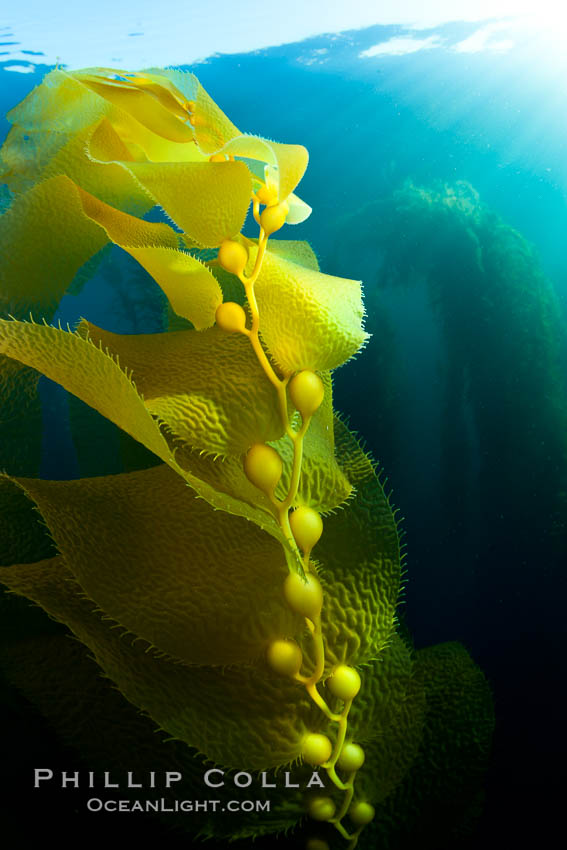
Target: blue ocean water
(460, 393)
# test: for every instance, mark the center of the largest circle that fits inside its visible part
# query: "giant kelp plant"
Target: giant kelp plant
(503, 330)
(192, 581)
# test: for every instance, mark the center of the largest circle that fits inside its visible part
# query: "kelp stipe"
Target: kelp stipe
(242, 591)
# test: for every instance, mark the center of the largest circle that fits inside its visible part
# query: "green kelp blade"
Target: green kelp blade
(441, 796)
(90, 157)
(207, 388)
(87, 712)
(226, 476)
(195, 583)
(97, 379)
(359, 554)
(210, 392)
(156, 542)
(24, 156)
(81, 368)
(386, 719)
(45, 238)
(24, 538)
(20, 419)
(101, 447)
(241, 717)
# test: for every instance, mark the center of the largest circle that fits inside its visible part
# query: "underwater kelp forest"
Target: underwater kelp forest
(283, 452)
(504, 403)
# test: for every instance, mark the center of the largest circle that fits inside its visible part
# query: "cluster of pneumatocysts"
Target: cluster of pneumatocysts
(302, 527)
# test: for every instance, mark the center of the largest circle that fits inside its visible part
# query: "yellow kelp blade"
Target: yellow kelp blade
(106, 179)
(207, 200)
(141, 105)
(97, 379)
(243, 717)
(298, 210)
(143, 145)
(189, 286)
(49, 139)
(211, 127)
(121, 228)
(207, 388)
(296, 251)
(197, 584)
(92, 159)
(288, 161)
(157, 86)
(323, 485)
(53, 125)
(90, 152)
(191, 289)
(60, 104)
(163, 100)
(308, 320)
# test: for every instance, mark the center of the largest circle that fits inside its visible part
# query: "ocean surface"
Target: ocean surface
(438, 178)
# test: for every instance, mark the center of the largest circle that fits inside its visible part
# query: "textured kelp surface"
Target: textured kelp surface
(172, 571)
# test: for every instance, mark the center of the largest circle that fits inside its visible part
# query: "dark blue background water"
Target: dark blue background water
(496, 121)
